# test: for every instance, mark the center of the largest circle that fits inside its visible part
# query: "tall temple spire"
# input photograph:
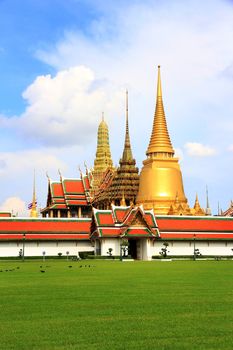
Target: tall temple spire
(103, 159)
(160, 140)
(161, 184)
(33, 212)
(127, 152)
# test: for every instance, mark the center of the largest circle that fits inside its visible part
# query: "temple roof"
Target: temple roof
(44, 229)
(124, 222)
(69, 192)
(195, 227)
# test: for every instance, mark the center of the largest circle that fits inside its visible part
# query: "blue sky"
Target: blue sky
(64, 62)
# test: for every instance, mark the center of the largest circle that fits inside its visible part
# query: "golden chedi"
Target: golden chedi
(161, 184)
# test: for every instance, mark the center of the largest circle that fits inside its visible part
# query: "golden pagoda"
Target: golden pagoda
(197, 210)
(103, 160)
(33, 212)
(161, 184)
(122, 187)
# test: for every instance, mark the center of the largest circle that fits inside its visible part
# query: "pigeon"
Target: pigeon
(81, 266)
(70, 266)
(42, 271)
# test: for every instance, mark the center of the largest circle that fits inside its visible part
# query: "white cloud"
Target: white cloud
(230, 148)
(64, 109)
(199, 150)
(14, 205)
(17, 163)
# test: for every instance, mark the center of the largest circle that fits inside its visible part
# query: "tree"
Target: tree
(164, 250)
(110, 251)
(196, 254)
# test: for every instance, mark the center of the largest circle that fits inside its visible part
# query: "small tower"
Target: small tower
(103, 160)
(161, 180)
(34, 213)
(197, 210)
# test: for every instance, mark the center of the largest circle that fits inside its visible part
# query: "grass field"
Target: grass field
(116, 305)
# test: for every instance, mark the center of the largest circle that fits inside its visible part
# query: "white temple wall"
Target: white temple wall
(212, 248)
(146, 248)
(52, 248)
(107, 243)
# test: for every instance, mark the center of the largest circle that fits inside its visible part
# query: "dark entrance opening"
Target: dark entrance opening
(133, 248)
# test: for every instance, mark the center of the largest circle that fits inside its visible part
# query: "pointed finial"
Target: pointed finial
(159, 85)
(127, 152)
(33, 212)
(47, 175)
(59, 172)
(85, 165)
(102, 116)
(218, 209)
(80, 171)
(208, 210)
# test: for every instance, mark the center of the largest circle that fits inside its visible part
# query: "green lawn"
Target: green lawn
(116, 305)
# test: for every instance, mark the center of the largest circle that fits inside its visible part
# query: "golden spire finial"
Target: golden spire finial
(159, 86)
(102, 116)
(33, 212)
(127, 152)
(160, 142)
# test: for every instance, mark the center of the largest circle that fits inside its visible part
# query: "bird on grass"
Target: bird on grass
(70, 266)
(42, 271)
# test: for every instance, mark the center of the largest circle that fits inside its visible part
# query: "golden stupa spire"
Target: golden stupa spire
(127, 152)
(103, 159)
(33, 213)
(161, 179)
(160, 140)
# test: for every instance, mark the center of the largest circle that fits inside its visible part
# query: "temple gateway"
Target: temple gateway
(115, 211)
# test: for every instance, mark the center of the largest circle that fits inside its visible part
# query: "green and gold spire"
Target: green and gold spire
(103, 159)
